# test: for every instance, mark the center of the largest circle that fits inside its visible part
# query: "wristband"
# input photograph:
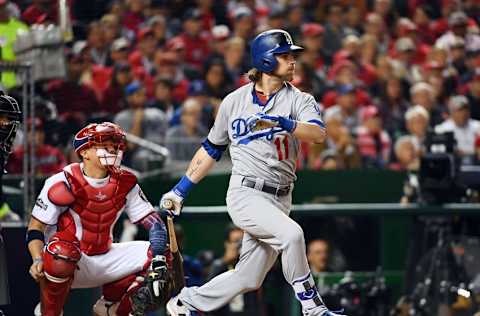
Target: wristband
(183, 186)
(288, 124)
(34, 234)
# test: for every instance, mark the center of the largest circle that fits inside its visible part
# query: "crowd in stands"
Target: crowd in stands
(384, 73)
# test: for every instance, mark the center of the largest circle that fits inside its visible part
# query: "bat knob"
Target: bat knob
(167, 204)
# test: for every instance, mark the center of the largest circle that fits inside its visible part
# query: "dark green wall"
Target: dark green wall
(352, 186)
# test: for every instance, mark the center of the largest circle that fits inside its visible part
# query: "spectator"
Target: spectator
(373, 141)
(346, 106)
(334, 31)
(198, 92)
(196, 46)
(74, 100)
(220, 38)
(403, 64)
(148, 123)
(345, 72)
(307, 80)
(217, 80)
(353, 21)
(318, 256)
(243, 304)
(134, 15)
(384, 71)
(323, 258)
(94, 76)
(458, 55)
(384, 9)
(422, 20)
(295, 18)
(111, 29)
(243, 23)
(417, 122)
(119, 51)
(458, 25)
(183, 140)
(192, 268)
(98, 46)
(338, 151)
(406, 28)
(392, 106)
(48, 159)
(234, 56)
(473, 95)
(163, 99)
(312, 35)
(167, 65)
(158, 24)
(276, 18)
(465, 129)
(406, 154)
(8, 30)
(113, 98)
(143, 56)
(375, 25)
(350, 49)
(368, 50)
(422, 94)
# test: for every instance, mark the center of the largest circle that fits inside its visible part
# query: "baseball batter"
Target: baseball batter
(263, 123)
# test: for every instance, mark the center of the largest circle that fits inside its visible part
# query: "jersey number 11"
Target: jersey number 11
(282, 147)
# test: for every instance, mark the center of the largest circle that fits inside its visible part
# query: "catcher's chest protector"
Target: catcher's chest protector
(95, 210)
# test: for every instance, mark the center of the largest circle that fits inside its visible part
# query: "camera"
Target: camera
(442, 177)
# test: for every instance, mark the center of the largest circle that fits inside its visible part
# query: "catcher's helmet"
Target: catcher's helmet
(98, 134)
(269, 43)
(10, 118)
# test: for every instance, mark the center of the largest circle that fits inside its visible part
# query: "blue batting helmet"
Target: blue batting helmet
(266, 45)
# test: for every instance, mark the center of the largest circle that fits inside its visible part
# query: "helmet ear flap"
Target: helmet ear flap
(269, 63)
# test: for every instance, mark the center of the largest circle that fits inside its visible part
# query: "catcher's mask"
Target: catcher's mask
(102, 136)
(10, 118)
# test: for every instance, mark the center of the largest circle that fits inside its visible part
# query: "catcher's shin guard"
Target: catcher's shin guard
(59, 263)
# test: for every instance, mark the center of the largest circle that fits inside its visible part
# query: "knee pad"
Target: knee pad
(60, 257)
(105, 308)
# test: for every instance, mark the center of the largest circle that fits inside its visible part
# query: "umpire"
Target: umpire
(10, 116)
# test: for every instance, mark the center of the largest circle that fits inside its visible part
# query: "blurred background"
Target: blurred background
(389, 203)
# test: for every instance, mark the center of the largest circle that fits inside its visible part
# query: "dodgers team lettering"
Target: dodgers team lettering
(243, 133)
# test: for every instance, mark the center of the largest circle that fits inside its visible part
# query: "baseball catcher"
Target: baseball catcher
(10, 116)
(69, 234)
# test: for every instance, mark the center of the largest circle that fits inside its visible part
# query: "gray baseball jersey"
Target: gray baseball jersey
(269, 154)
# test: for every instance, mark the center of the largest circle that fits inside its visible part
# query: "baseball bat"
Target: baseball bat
(171, 235)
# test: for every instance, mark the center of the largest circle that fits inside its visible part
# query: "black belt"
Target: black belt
(278, 191)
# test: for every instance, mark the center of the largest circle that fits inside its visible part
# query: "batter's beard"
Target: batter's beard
(285, 77)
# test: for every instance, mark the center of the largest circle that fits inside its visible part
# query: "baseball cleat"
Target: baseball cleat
(175, 307)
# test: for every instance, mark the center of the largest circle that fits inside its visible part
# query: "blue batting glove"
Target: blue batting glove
(284, 122)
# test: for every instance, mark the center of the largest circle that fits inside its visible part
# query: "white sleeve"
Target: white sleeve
(309, 111)
(44, 210)
(218, 134)
(137, 206)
